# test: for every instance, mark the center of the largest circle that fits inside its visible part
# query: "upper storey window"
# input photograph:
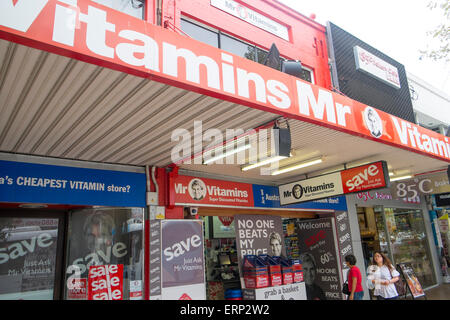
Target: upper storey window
(133, 8)
(199, 33)
(225, 42)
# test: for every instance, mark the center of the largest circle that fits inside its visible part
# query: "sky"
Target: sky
(397, 28)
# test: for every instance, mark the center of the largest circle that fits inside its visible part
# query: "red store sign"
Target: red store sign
(210, 192)
(96, 34)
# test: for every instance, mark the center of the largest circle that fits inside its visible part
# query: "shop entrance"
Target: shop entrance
(400, 234)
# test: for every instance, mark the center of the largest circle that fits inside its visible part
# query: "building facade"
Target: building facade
(110, 109)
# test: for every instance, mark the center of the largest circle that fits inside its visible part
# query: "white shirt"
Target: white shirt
(380, 274)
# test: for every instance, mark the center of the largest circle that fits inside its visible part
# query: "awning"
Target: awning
(64, 100)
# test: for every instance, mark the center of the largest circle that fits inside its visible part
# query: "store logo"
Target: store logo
(185, 296)
(297, 191)
(197, 189)
(373, 122)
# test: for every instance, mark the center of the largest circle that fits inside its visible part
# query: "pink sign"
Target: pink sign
(105, 282)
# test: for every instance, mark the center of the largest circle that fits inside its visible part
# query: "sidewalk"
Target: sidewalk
(441, 292)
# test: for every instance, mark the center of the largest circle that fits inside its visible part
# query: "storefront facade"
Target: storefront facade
(244, 219)
(59, 219)
(398, 228)
(92, 96)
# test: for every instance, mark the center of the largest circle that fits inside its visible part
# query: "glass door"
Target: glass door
(105, 236)
(31, 244)
(382, 227)
(409, 243)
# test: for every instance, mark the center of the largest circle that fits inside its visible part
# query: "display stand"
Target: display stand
(294, 291)
(411, 281)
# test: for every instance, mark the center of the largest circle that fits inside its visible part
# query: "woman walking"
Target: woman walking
(354, 279)
(381, 277)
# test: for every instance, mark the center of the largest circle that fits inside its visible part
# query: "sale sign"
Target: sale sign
(367, 177)
(105, 282)
(358, 179)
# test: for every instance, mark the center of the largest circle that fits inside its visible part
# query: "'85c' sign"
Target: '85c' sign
(426, 185)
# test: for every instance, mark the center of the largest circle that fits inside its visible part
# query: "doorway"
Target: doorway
(399, 234)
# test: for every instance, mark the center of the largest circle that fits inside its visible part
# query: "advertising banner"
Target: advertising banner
(196, 191)
(210, 192)
(294, 291)
(269, 197)
(183, 264)
(105, 282)
(223, 227)
(376, 67)
(344, 240)
(358, 179)
(39, 183)
(258, 234)
(319, 259)
(28, 249)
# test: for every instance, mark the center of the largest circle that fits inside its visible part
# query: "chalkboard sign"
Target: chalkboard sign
(411, 279)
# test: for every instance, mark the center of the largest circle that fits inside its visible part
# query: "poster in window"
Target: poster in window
(320, 260)
(258, 234)
(182, 260)
(103, 237)
(223, 227)
(27, 258)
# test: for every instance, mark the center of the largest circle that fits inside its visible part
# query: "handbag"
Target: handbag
(399, 285)
(345, 289)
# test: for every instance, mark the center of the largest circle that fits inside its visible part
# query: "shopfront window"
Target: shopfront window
(211, 36)
(409, 243)
(104, 237)
(199, 33)
(28, 252)
(237, 47)
(133, 8)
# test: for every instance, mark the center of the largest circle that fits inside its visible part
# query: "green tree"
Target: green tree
(441, 33)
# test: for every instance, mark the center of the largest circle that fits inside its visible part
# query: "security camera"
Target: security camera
(193, 211)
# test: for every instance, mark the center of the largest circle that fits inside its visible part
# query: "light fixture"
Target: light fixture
(401, 178)
(297, 166)
(263, 163)
(227, 153)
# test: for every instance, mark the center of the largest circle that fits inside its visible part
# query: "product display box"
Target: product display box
(255, 272)
(294, 291)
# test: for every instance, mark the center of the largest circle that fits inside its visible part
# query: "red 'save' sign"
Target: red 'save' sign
(106, 282)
